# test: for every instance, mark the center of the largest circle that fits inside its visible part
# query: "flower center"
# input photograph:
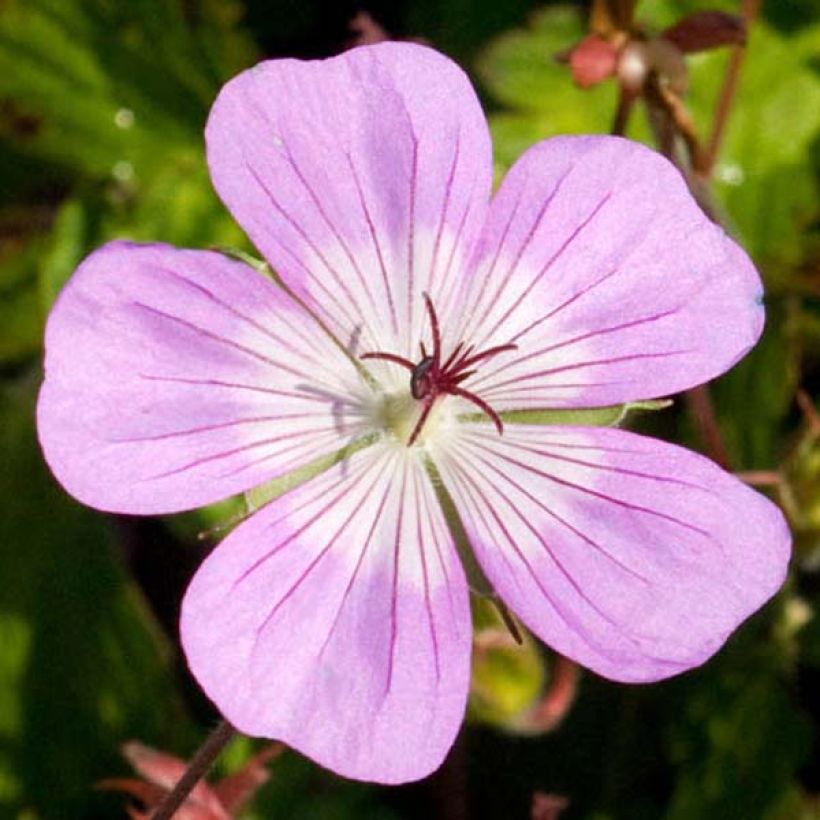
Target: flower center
(431, 378)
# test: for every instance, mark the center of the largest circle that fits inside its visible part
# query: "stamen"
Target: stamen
(466, 394)
(428, 406)
(456, 351)
(486, 354)
(434, 327)
(429, 378)
(390, 357)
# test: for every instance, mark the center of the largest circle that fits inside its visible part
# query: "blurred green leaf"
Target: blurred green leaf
(109, 86)
(20, 317)
(739, 745)
(754, 397)
(521, 72)
(507, 677)
(765, 178)
(82, 666)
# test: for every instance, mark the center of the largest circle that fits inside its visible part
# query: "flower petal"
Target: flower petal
(363, 179)
(634, 557)
(337, 620)
(177, 378)
(615, 286)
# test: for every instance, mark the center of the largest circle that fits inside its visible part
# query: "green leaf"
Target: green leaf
(765, 176)
(21, 325)
(110, 87)
(82, 664)
(741, 748)
(754, 398)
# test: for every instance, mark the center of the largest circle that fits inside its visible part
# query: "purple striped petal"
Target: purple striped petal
(337, 620)
(177, 378)
(634, 557)
(615, 286)
(363, 179)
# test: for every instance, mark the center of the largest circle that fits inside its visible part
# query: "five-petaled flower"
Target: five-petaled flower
(336, 618)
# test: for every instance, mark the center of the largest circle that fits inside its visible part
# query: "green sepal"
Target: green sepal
(610, 416)
(251, 261)
(507, 677)
(476, 579)
(260, 496)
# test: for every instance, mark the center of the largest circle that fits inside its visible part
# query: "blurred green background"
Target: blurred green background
(102, 106)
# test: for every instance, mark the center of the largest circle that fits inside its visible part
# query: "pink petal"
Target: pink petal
(363, 179)
(177, 378)
(337, 620)
(599, 265)
(633, 557)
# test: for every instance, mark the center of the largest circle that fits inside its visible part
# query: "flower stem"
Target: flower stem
(622, 112)
(748, 10)
(702, 410)
(202, 761)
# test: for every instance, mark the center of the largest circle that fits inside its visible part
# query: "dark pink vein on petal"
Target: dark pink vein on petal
(207, 334)
(561, 520)
(466, 479)
(487, 275)
(358, 315)
(578, 365)
(236, 451)
(394, 604)
(334, 539)
(545, 431)
(456, 243)
(229, 308)
(592, 334)
(589, 491)
(209, 428)
(232, 385)
(427, 602)
(570, 619)
(318, 444)
(339, 238)
(431, 517)
(411, 235)
(352, 580)
(348, 484)
(565, 304)
(444, 208)
(611, 468)
(374, 237)
(460, 476)
(549, 263)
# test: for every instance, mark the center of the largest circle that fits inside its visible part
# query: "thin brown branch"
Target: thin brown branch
(761, 478)
(199, 766)
(699, 402)
(748, 11)
(626, 102)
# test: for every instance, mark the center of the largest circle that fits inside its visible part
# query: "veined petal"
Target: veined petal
(363, 179)
(177, 378)
(615, 286)
(336, 620)
(634, 557)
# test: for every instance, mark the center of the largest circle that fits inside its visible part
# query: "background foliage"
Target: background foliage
(102, 105)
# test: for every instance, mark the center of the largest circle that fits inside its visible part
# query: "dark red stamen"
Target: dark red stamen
(429, 378)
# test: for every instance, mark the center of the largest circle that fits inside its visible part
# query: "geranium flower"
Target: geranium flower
(416, 329)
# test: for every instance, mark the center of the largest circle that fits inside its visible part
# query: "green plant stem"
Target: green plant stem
(199, 766)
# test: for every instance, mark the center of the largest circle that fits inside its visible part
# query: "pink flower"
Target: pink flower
(337, 618)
